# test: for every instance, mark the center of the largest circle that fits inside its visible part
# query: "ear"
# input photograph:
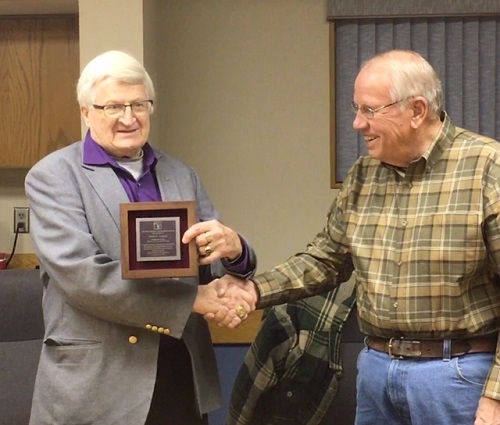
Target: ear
(420, 110)
(84, 111)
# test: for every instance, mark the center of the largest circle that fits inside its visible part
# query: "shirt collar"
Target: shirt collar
(442, 141)
(94, 154)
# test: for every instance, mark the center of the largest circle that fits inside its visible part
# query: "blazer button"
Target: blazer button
(132, 339)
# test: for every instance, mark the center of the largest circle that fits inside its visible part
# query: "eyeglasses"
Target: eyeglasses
(370, 112)
(117, 110)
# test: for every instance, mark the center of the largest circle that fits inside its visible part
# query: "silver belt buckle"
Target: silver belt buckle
(391, 355)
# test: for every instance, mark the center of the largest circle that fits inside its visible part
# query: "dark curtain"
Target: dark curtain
(338, 9)
(464, 50)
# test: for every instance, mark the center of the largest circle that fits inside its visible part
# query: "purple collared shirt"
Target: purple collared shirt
(145, 189)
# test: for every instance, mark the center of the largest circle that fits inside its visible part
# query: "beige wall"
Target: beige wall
(243, 97)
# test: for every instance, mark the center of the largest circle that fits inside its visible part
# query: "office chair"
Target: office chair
(21, 335)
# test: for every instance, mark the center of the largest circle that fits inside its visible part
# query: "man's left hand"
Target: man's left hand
(214, 241)
(488, 412)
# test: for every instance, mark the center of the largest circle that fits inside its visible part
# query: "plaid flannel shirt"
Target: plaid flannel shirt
(424, 244)
(291, 371)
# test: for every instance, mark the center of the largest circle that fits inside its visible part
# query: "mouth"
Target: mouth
(127, 134)
(369, 140)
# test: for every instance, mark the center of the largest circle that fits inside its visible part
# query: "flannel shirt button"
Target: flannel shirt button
(289, 394)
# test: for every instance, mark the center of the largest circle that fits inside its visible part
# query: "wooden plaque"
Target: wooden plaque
(151, 240)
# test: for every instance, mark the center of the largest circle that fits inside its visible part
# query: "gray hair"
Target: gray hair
(114, 65)
(411, 75)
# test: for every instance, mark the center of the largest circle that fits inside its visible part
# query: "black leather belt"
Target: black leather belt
(406, 347)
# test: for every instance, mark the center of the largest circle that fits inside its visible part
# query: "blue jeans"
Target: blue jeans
(419, 391)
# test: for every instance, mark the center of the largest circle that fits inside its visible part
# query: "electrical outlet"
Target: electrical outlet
(21, 220)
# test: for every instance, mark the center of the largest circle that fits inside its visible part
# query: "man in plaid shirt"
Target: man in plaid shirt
(417, 221)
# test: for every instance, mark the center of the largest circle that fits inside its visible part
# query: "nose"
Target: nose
(359, 122)
(128, 116)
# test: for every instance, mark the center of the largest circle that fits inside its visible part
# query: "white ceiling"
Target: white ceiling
(38, 7)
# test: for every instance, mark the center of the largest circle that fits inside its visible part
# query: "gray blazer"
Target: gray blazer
(91, 371)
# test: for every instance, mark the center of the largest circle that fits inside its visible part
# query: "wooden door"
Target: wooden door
(39, 68)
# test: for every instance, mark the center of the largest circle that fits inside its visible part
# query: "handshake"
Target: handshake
(226, 301)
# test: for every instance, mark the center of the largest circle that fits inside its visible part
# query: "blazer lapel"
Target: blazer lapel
(108, 188)
(169, 189)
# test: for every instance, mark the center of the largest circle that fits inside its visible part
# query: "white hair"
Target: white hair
(411, 75)
(113, 65)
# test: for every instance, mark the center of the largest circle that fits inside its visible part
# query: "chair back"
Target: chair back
(21, 336)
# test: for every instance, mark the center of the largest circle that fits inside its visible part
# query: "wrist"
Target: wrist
(239, 252)
(198, 305)
(239, 259)
(231, 261)
(255, 292)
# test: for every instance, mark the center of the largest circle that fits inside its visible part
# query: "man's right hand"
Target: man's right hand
(226, 301)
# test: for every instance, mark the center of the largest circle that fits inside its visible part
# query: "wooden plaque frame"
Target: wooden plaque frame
(151, 245)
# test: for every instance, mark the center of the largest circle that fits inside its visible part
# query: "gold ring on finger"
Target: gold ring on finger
(241, 312)
(208, 250)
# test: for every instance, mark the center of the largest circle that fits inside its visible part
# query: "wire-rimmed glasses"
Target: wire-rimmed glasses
(117, 110)
(369, 112)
